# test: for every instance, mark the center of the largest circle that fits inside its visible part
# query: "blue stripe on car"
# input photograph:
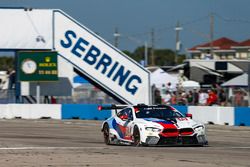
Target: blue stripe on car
(117, 128)
(158, 120)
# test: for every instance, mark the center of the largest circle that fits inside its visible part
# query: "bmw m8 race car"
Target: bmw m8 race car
(151, 125)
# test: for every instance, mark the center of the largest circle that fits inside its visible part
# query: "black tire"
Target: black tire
(106, 134)
(136, 137)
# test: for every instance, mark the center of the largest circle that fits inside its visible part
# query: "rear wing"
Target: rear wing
(116, 107)
(111, 107)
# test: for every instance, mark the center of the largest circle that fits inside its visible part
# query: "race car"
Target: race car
(147, 125)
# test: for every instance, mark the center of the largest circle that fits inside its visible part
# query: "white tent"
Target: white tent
(240, 81)
(190, 84)
(159, 77)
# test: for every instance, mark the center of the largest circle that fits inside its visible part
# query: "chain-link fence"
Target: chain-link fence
(7, 96)
(85, 94)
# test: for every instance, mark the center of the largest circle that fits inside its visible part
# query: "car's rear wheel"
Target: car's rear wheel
(136, 137)
(106, 134)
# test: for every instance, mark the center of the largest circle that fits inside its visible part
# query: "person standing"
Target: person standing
(195, 97)
(203, 96)
(238, 99)
(212, 98)
(166, 98)
(174, 98)
(190, 98)
(157, 95)
(222, 97)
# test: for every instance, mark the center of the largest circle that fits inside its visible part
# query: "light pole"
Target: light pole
(116, 35)
(178, 42)
(145, 54)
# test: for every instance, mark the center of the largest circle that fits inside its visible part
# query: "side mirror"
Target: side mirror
(189, 115)
(124, 117)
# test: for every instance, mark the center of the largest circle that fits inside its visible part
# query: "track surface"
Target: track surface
(80, 143)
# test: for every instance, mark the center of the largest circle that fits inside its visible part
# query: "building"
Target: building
(222, 49)
(219, 61)
(208, 72)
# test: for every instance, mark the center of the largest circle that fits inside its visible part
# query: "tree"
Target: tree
(6, 63)
(163, 57)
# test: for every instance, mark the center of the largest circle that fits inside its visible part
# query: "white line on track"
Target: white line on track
(111, 148)
(49, 148)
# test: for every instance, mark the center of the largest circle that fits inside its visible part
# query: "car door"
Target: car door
(124, 121)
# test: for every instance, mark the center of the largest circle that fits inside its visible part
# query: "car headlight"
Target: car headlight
(199, 127)
(153, 129)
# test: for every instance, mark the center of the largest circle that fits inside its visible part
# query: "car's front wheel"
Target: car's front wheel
(106, 134)
(136, 137)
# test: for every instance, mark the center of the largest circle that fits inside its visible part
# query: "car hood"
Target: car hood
(185, 123)
(155, 122)
(159, 123)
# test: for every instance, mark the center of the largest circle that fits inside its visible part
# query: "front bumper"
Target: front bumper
(178, 140)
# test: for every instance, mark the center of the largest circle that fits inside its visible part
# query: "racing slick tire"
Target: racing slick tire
(106, 134)
(136, 137)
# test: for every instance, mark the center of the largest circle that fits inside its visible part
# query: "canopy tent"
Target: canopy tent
(190, 84)
(239, 81)
(159, 78)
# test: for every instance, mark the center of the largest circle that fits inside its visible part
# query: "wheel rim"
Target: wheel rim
(137, 138)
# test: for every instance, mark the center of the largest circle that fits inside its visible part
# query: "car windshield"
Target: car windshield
(157, 112)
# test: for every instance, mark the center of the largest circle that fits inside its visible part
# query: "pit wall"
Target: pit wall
(239, 116)
(28, 111)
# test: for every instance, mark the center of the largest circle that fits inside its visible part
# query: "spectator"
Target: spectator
(238, 99)
(195, 97)
(203, 96)
(174, 98)
(166, 99)
(190, 97)
(212, 98)
(157, 95)
(222, 97)
(12, 79)
(182, 99)
(53, 100)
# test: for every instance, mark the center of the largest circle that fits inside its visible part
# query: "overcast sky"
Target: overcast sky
(136, 18)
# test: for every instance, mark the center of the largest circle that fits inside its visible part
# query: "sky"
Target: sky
(136, 19)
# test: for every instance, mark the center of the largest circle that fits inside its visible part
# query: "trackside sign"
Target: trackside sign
(100, 61)
(37, 66)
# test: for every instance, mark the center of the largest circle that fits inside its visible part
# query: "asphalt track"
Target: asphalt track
(80, 143)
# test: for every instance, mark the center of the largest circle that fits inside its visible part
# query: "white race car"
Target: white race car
(151, 125)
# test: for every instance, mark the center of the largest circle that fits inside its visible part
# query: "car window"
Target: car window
(119, 114)
(126, 111)
(157, 112)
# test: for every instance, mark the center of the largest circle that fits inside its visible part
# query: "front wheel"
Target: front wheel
(106, 134)
(136, 137)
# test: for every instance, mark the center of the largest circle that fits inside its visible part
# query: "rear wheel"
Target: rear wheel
(106, 134)
(136, 137)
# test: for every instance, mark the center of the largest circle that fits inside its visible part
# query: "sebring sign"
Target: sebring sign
(100, 61)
